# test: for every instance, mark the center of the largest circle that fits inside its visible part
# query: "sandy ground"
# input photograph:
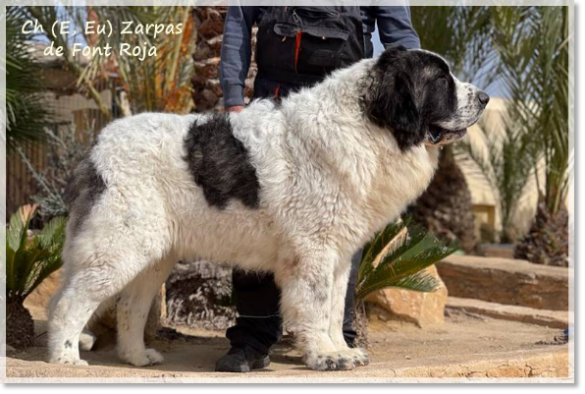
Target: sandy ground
(465, 346)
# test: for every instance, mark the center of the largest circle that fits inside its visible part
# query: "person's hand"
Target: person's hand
(236, 108)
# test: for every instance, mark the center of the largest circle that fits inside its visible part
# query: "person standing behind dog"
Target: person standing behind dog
(296, 47)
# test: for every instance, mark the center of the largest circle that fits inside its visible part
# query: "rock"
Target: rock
(505, 251)
(554, 319)
(422, 309)
(506, 281)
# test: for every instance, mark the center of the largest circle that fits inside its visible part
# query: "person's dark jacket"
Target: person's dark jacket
(394, 27)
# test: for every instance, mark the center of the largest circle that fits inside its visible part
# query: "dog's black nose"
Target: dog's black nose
(483, 98)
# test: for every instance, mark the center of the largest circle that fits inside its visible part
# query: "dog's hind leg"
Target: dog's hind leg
(133, 308)
(91, 278)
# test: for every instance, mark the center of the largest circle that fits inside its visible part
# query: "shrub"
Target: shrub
(29, 260)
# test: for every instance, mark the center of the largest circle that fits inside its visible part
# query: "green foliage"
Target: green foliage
(507, 164)
(160, 83)
(462, 36)
(533, 47)
(26, 110)
(65, 149)
(525, 48)
(397, 256)
(30, 261)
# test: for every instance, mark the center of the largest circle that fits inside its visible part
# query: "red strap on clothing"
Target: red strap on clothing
(276, 92)
(297, 47)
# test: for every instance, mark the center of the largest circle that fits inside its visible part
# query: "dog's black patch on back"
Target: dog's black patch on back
(220, 163)
(82, 191)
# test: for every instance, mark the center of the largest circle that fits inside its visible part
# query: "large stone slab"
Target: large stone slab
(463, 347)
(506, 281)
(541, 317)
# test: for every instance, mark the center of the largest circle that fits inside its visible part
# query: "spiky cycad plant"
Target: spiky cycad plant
(28, 263)
(397, 257)
(27, 112)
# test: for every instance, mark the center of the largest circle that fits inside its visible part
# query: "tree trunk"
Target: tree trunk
(360, 324)
(199, 294)
(547, 242)
(207, 92)
(445, 208)
(20, 327)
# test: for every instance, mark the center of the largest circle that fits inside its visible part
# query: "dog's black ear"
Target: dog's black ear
(393, 103)
(390, 55)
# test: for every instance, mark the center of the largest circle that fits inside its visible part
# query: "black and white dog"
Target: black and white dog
(294, 188)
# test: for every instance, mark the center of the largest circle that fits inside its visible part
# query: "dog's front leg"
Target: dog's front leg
(306, 303)
(338, 304)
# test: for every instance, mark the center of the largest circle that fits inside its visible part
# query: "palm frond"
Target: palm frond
(420, 282)
(534, 57)
(374, 248)
(506, 163)
(27, 111)
(160, 83)
(28, 263)
(402, 265)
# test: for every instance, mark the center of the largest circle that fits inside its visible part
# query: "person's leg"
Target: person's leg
(257, 300)
(258, 326)
(349, 332)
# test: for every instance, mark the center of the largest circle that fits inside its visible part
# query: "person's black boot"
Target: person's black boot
(242, 359)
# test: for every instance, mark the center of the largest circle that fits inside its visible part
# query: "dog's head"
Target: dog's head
(413, 93)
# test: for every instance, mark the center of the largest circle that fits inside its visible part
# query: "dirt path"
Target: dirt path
(466, 347)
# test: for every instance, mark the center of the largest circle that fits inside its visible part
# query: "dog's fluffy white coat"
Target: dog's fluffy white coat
(328, 180)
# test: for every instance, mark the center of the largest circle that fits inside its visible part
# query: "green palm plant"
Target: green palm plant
(27, 112)
(397, 257)
(533, 46)
(49, 16)
(159, 83)
(28, 263)
(507, 165)
(462, 35)
(155, 83)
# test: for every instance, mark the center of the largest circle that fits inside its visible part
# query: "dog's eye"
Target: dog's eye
(442, 81)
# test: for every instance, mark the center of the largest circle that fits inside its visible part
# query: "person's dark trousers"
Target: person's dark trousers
(259, 324)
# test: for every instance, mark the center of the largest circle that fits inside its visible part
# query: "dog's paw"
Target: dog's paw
(68, 360)
(340, 360)
(359, 356)
(144, 358)
(86, 341)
